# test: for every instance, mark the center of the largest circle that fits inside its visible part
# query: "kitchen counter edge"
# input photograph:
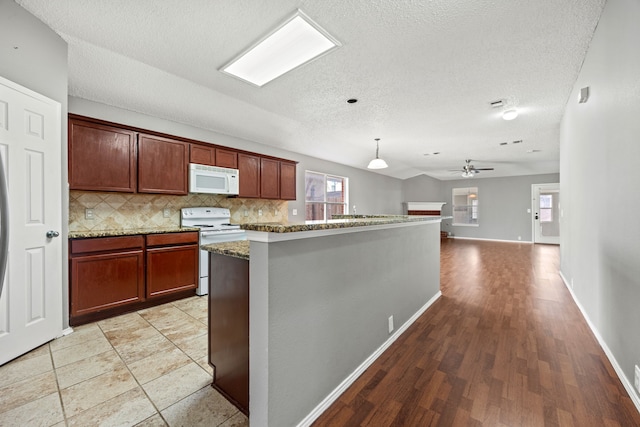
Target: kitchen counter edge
(128, 232)
(348, 222)
(237, 249)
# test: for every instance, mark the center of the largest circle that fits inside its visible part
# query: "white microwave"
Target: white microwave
(213, 180)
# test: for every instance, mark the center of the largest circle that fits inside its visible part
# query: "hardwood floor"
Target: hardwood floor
(505, 345)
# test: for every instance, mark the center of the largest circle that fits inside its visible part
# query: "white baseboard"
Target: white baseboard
(335, 394)
(491, 240)
(66, 332)
(633, 394)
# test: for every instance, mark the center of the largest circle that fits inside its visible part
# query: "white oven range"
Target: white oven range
(214, 228)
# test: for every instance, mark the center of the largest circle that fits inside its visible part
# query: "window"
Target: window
(325, 195)
(465, 206)
(546, 208)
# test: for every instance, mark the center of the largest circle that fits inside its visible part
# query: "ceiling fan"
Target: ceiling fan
(469, 171)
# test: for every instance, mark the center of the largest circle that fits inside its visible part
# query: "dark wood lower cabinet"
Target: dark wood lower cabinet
(229, 327)
(172, 269)
(113, 275)
(108, 280)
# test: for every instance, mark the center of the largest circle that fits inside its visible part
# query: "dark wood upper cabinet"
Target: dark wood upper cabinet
(269, 179)
(287, 181)
(202, 155)
(101, 157)
(162, 165)
(249, 167)
(105, 156)
(226, 158)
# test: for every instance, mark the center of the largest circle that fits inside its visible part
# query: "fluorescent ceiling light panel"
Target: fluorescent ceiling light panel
(297, 41)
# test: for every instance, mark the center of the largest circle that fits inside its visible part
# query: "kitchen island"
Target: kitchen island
(325, 299)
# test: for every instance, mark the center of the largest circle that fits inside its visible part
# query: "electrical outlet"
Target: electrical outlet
(637, 378)
(246, 212)
(390, 324)
(88, 214)
(519, 237)
(259, 212)
(275, 212)
(166, 212)
(295, 212)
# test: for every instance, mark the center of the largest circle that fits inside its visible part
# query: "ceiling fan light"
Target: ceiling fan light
(510, 114)
(467, 174)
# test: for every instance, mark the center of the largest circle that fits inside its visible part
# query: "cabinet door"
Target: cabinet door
(171, 269)
(249, 167)
(102, 281)
(162, 165)
(229, 327)
(202, 155)
(101, 158)
(226, 158)
(269, 179)
(287, 181)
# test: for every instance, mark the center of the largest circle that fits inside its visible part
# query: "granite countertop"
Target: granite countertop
(237, 249)
(351, 221)
(128, 232)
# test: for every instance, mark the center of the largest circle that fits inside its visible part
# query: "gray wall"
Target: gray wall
(39, 63)
(370, 192)
(502, 206)
(423, 188)
(599, 155)
(320, 307)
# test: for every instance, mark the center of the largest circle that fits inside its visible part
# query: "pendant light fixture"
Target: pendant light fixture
(377, 163)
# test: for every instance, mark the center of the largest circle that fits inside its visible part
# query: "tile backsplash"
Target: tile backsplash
(130, 211)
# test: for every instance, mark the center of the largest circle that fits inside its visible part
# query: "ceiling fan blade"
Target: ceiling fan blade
(483, 169)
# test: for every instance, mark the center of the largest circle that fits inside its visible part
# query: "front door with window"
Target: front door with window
(546, 213)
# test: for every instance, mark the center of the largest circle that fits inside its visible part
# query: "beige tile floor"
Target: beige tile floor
(147, 368)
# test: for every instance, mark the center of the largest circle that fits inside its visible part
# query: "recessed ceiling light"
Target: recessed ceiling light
(435, 153)
(510, 114)
(504, 143)
(519, 141)
(297, 41)
(533, 151)
(352, 101)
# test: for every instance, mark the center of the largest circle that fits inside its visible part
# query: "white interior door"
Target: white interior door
(30, 147)
(546, 213)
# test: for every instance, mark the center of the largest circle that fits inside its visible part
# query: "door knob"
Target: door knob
(51, 234)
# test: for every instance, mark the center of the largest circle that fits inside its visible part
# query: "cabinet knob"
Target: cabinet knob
(51, 234)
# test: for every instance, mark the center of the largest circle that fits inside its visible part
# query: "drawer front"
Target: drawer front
(172, 238)
(102, 244)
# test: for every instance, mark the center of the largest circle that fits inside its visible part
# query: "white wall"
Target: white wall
(599, 165)
(34, 56)
(371, 192)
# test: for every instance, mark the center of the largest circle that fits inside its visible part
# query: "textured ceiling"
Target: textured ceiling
(424, 73)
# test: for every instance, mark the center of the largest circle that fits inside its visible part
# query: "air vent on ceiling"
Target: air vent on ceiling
(497, 104)
(517, 141)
